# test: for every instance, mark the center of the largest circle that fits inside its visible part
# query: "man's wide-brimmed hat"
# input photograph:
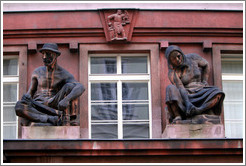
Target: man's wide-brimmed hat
(51, 47)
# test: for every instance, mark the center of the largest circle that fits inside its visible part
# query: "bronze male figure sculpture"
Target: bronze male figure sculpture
(190, 95)
(51, 98)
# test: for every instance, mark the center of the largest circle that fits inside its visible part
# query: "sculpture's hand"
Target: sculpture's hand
(205, 83)
(27, 98)
(63, 104)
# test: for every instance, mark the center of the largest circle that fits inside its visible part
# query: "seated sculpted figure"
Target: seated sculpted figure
(52, 96)
(189, 94)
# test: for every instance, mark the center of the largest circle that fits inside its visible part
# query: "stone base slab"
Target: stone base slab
(194, 131)
(50, 132)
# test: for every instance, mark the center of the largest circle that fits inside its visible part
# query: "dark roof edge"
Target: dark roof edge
(81, 10)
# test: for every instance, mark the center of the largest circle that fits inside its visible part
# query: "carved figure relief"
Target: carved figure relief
(115, 25)
(190, 99)
(52, 98)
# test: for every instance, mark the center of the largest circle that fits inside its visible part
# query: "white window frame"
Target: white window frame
(15, 80)
(233, 77)
(119, 78)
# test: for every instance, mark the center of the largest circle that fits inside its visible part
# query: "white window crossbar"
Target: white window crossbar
(232, 77)
(120, 77)
(10, 79)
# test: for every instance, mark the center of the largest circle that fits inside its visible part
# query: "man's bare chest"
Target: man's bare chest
(50, 80)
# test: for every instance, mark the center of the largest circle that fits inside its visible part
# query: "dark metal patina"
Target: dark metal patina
(190, 99)
(52, 98)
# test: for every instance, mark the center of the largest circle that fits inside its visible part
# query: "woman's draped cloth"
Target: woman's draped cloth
(198, 93)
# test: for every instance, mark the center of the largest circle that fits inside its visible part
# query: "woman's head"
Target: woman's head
(175, 56)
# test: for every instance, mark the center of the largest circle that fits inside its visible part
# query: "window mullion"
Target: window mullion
(119, 92)
(120, 118)
(118, 64)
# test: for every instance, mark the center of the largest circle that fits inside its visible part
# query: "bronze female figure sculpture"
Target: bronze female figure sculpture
(190, 95)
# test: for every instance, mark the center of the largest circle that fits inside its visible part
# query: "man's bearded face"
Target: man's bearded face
(49, 57)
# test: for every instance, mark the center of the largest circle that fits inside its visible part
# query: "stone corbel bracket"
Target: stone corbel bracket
(128, 24)
(73, 47)
(163, 44)
(207, 45)
(32, 47)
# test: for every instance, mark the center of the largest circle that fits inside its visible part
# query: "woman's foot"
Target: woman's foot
(177, 119)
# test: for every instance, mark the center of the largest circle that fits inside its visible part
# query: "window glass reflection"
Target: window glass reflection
(135, 131)
(9, 114)
(9, 132)
(104, 112)
(103, 91)
(135, 112)
(103, 65)
(104, 131)
(9, 92)
(135, 91)
(10, 66)
(134, 65)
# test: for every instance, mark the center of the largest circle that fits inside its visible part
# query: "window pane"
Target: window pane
(102, 131)
(135, 111)
(233, 110)
(135, 131)
(9, 132)
(104, 112)
(232, 67)
(103, 91)
(103, 65)
(10, 66)
(9, 92)
(134, 65)
(233, 130)
(9, 114)
(233, 90)
(135, 91)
